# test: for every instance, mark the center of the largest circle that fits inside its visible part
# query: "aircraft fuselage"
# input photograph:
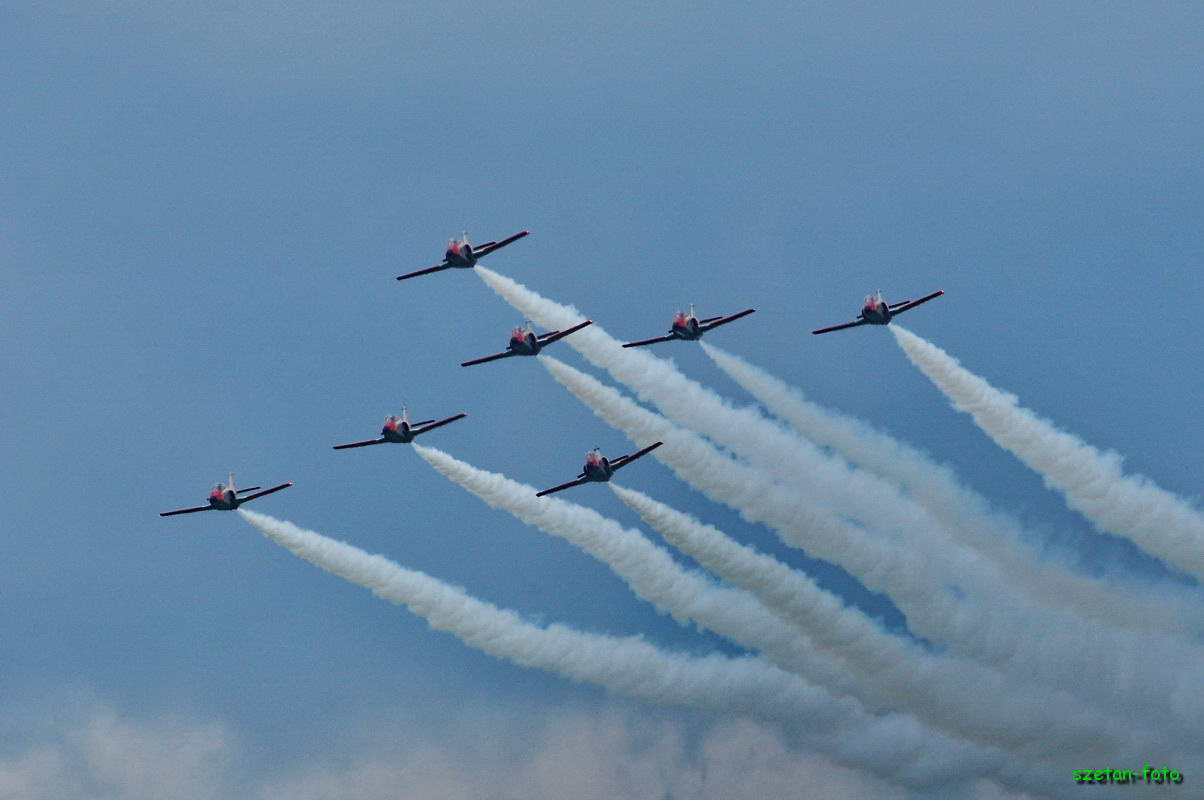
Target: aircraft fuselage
(460, 256)
(524, 345)
(876, 312)
(686, 328)
(398, 432)
(223, 499)
(597, 470)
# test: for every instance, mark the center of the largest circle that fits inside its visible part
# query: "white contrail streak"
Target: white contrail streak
(742, 430)
(1016, 725)
(962, 513)
(1111, 669)
(650, 571)
(962, 697)
(1091, 481)
(893, 747)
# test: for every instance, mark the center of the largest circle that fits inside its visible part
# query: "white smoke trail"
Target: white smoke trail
(893, 747)
(742, 430)
(1091, 481)
(649, 570)
(954, 695)
(1016, 725)
(1110, 669)
(961, 512)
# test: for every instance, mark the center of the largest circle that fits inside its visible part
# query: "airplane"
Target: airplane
(599, 468)
(876, 311)
(524, 342)
(463, 255)
(224, 497)
(688, 327)
(400, 430)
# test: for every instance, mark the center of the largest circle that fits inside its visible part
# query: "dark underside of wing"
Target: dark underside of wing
(715, 322)
(265, 491)
(349, 445)
(853, 324)
(623, 461)
(643, 342)
(493, 357)
(561, 487)
(910, 304)
(184, 511)
(438, 424)
(427, 271)
(489, 247)
(558, 335)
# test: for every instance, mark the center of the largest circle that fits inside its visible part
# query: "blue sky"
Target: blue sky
(204, 209)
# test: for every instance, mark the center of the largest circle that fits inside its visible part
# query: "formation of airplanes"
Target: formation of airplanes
(461, 254)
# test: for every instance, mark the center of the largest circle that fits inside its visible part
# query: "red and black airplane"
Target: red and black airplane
(598, 468)
(400, 430)
(524, 342)
(463, 255)
(877, 311)
(688, 327)
(224, 497)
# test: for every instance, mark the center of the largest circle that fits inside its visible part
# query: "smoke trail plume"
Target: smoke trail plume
(650, 571)
(1091, 481)
(932, 585)
(744, 431)
(937, 698)
(893, 747)
(954, 695)
(961, 512)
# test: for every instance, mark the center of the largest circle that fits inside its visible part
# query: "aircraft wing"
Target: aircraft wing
(489, 247)
(623, 461)
(427, 271)
(910, 304)
(248, 489)
(265, 491)
(715, 322)
(643, 342)
(561, 487)
(852, 324)
(558, 335)
(358, 444)
(184, 511)
(493, 357)
(438, 424)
